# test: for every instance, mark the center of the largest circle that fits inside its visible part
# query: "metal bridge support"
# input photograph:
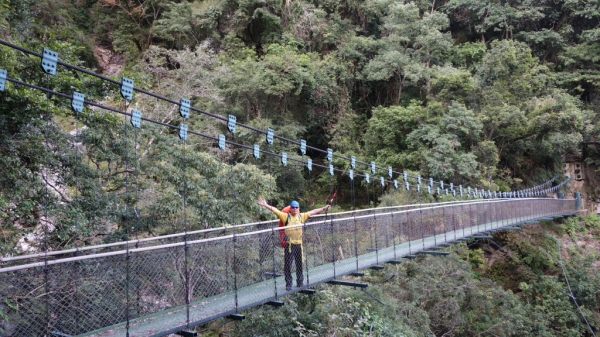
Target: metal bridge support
(561, 195)
(578, 200)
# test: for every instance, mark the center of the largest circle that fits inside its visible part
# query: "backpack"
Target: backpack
(282, 239)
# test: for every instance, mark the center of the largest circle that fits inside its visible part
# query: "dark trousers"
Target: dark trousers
(295, 253)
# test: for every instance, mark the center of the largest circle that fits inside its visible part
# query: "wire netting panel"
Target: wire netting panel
(441, 219)
(65, 298)
(104, 290)
(386, 225)
(157, 280)
(210, 271)
(344, 239)
(24, 302)
(394, 232)
(319, 250)
(254, 269)
(428, 223)
(209, 278)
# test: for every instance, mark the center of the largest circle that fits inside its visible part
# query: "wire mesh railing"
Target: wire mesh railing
(150, 281)
(195, 235)
(95, 295)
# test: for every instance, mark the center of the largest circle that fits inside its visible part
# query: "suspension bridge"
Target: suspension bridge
(155, 286)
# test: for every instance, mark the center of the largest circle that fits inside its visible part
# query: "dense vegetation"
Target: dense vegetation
(478, 92)
(519, 291)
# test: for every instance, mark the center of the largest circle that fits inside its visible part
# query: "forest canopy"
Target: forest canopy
(487, 93)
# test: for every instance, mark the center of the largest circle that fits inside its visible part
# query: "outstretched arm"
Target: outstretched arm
(319, 210)
(263, 203)
(282, 216)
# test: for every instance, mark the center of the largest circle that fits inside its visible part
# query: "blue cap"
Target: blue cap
(294, 203)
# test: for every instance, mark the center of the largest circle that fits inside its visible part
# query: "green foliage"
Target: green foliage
(190, 23)
(439, 143)
(574, 225)
(476, 258)
(467, 55)
(488, 93)
(386, 136)
(592, 221)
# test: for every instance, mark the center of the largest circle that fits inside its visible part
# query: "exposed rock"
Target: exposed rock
(109, 61)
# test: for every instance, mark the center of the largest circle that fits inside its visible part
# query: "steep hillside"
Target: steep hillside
(493, 94)
(512, 285)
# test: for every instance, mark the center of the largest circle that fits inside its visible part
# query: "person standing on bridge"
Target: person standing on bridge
(293, 236)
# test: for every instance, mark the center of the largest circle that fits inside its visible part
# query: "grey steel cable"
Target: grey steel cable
(570, 294)
(46, 206)
(151, 94)
(215, 138)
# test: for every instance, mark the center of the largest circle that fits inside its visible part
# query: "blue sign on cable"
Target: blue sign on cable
(183, 129)
(3, 74)
(184, 108)
(127, 88)
(136, 118)
(256, 151)
(49, 61)
(222, 142)
(77, 102)
(231, 121)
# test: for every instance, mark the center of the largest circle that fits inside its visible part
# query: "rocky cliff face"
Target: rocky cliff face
(109, 61)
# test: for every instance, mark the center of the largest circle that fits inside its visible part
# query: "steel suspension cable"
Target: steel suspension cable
(312, 201)
(331, 228)
(185, 236)
(570, 294)
(208, 136)
(353, 201)
(75, 142)
(375, 222)
(46, 206)
(135, 214)
(126, 223)
(151, 94)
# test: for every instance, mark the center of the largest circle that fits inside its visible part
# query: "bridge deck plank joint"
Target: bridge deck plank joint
(394, 262)
(433, 252)
(348, 283)
(276, 304)
(237, 317)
